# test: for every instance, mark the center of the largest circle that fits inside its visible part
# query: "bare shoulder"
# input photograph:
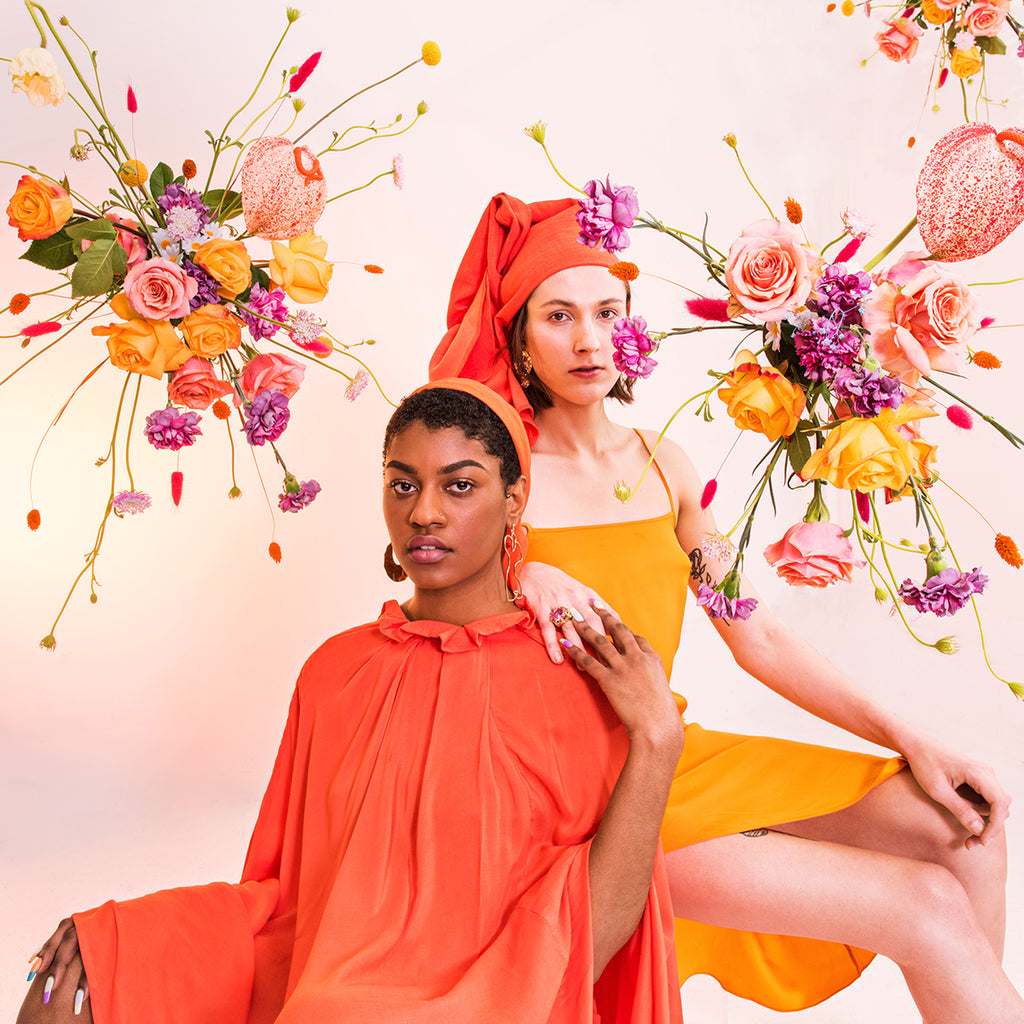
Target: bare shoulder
(678, 468)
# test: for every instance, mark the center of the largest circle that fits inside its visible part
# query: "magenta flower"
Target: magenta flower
(266, 416)
(172, 428)
(724, 601)
(299, 78)
(716, 310)
(945, 593)
(297, 496)
(606, 214)
(268, 306)
(633, 346)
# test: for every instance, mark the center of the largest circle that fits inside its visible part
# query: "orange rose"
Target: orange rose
(211, 330)
(139, 345)
(934, 14)
(38, 208)
(965, 63)
(864, 454)
(761, 399)
(227, 262)
(300, 268)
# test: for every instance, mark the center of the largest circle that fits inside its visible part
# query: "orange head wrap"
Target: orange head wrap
(515, 247)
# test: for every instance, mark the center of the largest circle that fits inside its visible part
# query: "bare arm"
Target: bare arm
(623, 851)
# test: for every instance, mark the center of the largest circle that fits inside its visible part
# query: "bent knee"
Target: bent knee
(939, 910)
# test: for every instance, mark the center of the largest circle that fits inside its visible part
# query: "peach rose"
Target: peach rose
(923, 325)
(864, 454)
(271, 370)
(159, 289)
(38, 208)
(300, 268)
(899, 39)
(767, 270)
(211, 330)
(984, 19)
(34, 71)
(813, 555)
(761, 399)
(196, 385)
(965, 63)
(227, 262)
(139, 345)
(133, 245)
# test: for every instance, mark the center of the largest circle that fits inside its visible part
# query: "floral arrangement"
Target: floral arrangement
(197, 278)
(965, 32)
(838, 370)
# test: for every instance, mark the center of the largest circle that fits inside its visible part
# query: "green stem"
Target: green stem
(42, 34)
(872, 263)
(1008, 434)
(370, 138)
(739, 160)
(575, 188)
(359, 188)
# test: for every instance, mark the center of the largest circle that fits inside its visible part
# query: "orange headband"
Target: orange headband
(515, 247)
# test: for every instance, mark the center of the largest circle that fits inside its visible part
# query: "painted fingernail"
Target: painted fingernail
(79, 998)
(596, 604)
(564, 642)
(33, 967)
(48, 989)
(576, 615)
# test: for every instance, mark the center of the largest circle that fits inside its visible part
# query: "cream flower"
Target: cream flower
(34, 71)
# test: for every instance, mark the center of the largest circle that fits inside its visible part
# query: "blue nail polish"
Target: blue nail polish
(32, 974)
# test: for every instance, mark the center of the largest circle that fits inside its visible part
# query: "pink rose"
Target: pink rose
(984, 19)
(196, 386)
(813, 555)
(271, 370)
(898, 40)
(158, 289)
(133, 244)
(924, 325)
(767, 271)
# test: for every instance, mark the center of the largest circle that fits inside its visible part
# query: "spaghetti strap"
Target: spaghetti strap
(668, 490)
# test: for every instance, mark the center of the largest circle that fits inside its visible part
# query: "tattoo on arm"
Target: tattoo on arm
(699, 569)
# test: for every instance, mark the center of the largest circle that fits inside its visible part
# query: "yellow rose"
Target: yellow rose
(38, 208)
(227, 262)
(139, 345)
(34, 71)
(864, 454)
(211, 330)
(965, 63)
(761, 399)
(934, 14)
(300, 268)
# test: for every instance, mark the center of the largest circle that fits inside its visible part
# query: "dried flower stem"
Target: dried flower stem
(128, 435)
(359, 188)
(369, 138)
(874, 261)
(1008, 434)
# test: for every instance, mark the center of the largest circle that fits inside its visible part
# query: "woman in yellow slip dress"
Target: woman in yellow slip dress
(907, 863)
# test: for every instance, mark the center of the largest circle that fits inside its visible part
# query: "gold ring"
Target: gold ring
(560, 616)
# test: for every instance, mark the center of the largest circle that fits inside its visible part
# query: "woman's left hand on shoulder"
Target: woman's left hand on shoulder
(951, 779)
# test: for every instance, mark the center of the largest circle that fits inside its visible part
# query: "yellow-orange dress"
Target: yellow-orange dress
(724, 783)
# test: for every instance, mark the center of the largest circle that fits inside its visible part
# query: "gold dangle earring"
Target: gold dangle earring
(514, 559)
(395, 572)
(524, 369)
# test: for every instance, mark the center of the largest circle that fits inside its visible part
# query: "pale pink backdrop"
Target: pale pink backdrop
(135, 755)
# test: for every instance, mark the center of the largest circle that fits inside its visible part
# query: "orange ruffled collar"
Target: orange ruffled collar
(453, 639)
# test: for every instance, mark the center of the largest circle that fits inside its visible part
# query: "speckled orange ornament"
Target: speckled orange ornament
(970, 193)
(283, 189)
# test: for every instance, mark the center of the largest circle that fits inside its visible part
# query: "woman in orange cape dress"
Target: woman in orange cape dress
(902, 862)
(456, 829)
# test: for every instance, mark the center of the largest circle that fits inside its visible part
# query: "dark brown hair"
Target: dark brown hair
(536, 392)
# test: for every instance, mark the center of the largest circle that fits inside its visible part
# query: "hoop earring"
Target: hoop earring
(524, 370)
(395, 572)
(515, 556)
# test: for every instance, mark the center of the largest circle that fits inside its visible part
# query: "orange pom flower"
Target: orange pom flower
(624, 270)
(372, 268)
(221, 410)
(19, 303)
(274, 551)
(188, 169)
(986, 360)
(33, 519)
(794, 211)
(1008, 551)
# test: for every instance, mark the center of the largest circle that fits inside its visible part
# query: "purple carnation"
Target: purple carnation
(266, 416)
(181, 195)
(208, 290)
(267, 304)
(172, 428)
(839, 294)
(633, 346)
(297, 501)
(718, 606)
(606, 214)
(945, 593)
(824, 347)
(867, 392)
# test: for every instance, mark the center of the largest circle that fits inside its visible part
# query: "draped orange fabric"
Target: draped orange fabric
(515, 247)
(421, 855)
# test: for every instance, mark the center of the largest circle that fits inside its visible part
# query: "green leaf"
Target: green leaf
(53, 253)
(94, 230)
(98, 266)
(799, 448)
(223, 205)
(990, 44)
(161, 177)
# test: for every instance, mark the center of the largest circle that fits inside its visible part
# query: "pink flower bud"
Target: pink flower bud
(177, 479)
(133, 105)
(708, 495)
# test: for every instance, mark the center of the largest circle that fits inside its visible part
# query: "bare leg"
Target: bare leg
(897, 817)
(913, 912)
